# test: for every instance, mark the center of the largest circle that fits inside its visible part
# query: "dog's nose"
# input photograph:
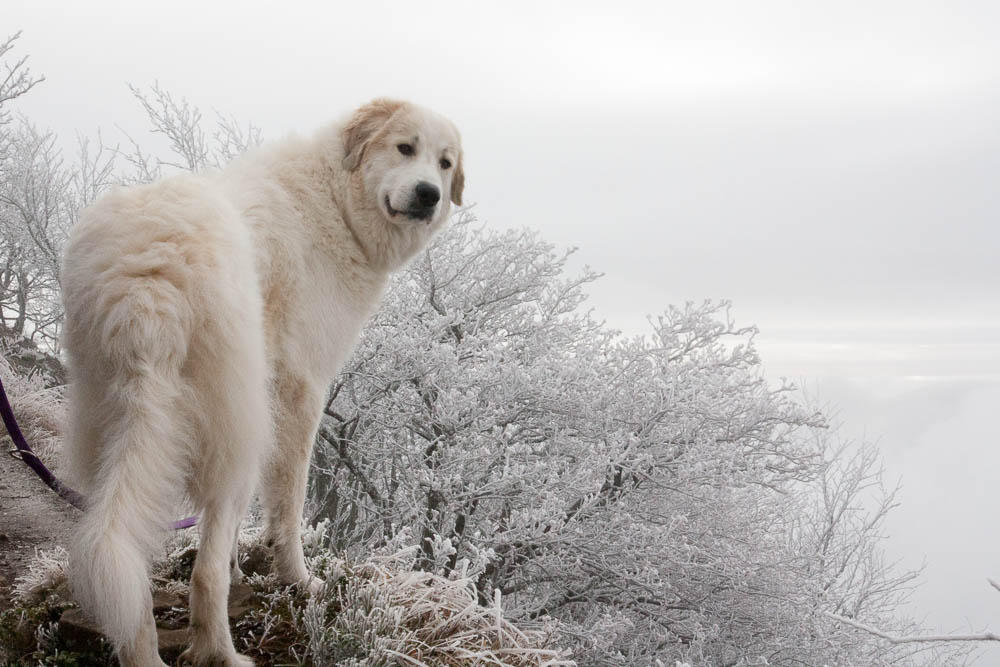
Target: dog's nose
(427, 194)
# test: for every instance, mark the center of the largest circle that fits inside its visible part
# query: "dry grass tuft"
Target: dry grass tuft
(395, 615)
(40, 411)
(46, 574)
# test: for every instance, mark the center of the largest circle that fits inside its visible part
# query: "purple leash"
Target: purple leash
(25, 453)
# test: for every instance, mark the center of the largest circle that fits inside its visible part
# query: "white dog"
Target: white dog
(205, 317)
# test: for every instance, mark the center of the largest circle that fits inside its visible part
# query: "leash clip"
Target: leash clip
(18, 454)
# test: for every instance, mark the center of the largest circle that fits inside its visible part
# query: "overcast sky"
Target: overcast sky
(831, 167)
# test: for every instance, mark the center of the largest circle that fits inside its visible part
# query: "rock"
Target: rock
(240, 594)
(240, 599)
(77, 631)
(171, 643)
(166, 600)
(257, 560)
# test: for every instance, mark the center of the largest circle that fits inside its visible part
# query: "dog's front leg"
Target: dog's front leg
(299, 403)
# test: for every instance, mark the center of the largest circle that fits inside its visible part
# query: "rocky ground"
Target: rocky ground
(32, 517)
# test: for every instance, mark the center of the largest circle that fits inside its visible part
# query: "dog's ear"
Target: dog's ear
(364, 124)
(458, 181)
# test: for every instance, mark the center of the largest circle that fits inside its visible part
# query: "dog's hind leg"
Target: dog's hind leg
(223, 505)
(299, 404)
(231, 410)
(211, 642)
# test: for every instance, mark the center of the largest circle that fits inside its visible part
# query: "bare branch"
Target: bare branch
(17, 79)
(913, 639)
(179, 122)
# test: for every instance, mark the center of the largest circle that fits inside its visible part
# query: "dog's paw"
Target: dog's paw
(193, 656)
(312, 585)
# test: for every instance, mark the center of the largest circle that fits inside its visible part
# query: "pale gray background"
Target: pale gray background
(830, 167)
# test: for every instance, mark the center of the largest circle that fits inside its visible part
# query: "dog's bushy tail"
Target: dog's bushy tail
(141, 342)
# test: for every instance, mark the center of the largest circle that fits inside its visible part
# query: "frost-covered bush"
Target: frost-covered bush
(655, 495)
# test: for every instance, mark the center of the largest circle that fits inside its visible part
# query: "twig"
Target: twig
(914, 639)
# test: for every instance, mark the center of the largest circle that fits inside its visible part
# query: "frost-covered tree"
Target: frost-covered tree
(655, 495)
(22, 288)
(40, 198)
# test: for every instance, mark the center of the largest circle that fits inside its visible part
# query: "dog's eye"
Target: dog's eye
(405, 149)
(445, 163)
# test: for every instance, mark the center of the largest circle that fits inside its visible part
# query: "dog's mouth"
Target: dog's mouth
(424, 213)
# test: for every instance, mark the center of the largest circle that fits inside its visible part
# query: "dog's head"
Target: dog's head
(409, 160)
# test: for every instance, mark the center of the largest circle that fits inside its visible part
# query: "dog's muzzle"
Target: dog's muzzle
(422, 204)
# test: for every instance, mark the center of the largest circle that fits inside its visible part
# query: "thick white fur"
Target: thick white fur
(205, 317)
